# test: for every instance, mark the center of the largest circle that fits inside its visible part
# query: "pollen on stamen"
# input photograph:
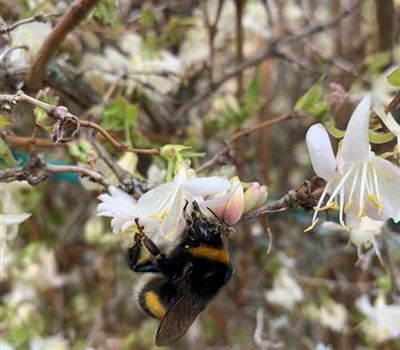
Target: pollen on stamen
(313, 224)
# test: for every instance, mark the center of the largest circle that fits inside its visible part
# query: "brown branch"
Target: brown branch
(318, 28)
(239, 46)
(264, 124)
(77, 12)
(305, 196)
(272, 50)
(39, 17)
(67, 125)
(37, 171)
(26, 142)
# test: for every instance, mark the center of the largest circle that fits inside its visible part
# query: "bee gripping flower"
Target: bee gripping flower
(160, 210)
(358, 181)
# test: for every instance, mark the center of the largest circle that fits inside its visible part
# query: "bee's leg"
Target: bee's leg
(133, 254)
(149, 244)
(186, 216)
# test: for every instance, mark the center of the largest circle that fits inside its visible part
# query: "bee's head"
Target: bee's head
(208, 229)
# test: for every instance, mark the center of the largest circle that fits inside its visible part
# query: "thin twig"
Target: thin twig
(265, 124)
(76, 13)
(270, 51)
(305, 196)
(37, 171)
(67, 125)
(39, 17)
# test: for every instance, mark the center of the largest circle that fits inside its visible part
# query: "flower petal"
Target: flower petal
(389, 186)
(11, 219)
(321, 153)
(355, 145)
(389, 121)
(157, 199)
(206, 185)
(120, 206)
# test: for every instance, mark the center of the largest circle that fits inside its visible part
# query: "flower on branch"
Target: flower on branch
(160, 210)
(382, 320)
(358, 181)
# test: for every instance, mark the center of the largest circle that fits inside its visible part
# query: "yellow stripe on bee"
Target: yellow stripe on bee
(209, 253)
(154, 305)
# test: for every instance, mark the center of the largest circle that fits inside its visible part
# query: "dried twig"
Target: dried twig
(76, 13)
(39, 17)
(305, 196)
(67, 125)
(272, 50)
(37, 171)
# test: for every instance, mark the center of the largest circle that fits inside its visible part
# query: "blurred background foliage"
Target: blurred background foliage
(149, 72)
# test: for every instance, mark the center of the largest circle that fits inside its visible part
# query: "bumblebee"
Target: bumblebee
(186, 279)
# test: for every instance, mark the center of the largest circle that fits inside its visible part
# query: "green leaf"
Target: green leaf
(379, 138)
(121, 115)
(4, 122)
(106, 13)
(378, 61)
(333, 130)
(41, 117)
(118, 113)
(312, 102)
(394, 78)
(253, 91)
(6, 154)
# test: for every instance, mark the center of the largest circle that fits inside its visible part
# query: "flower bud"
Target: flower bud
(255, 196)
(233, 208)
(168, 152)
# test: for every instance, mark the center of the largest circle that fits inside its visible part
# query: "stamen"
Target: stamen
(340, 184)
(362, 190)
(377, 192)
(313, 224)
(321, 199)
(377, 251)
(352, 189)
(341, 208)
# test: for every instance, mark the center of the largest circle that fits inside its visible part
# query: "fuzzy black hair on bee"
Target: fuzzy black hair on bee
(186, 279)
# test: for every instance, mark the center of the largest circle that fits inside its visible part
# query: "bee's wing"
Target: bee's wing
(180, 315)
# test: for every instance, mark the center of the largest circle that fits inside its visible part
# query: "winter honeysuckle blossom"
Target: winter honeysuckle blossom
(358, 181)
(382, 320)
(160, 210)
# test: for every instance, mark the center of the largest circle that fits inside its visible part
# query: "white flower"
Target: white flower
(363, 232)
(358, 181)
(160, 210)
(163, 205)
(331, 315)
(42, 272)
(5, 345)
(286, 292)
(120, 206)
(9, 224)
(392, 125)
(55, 342)
(382, 320)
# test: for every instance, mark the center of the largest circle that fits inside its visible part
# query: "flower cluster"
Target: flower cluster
(359, 183)
(161, 210)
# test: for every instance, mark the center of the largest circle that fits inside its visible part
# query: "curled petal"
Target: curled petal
(321, 153)
(389, 186)
(355, 145)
